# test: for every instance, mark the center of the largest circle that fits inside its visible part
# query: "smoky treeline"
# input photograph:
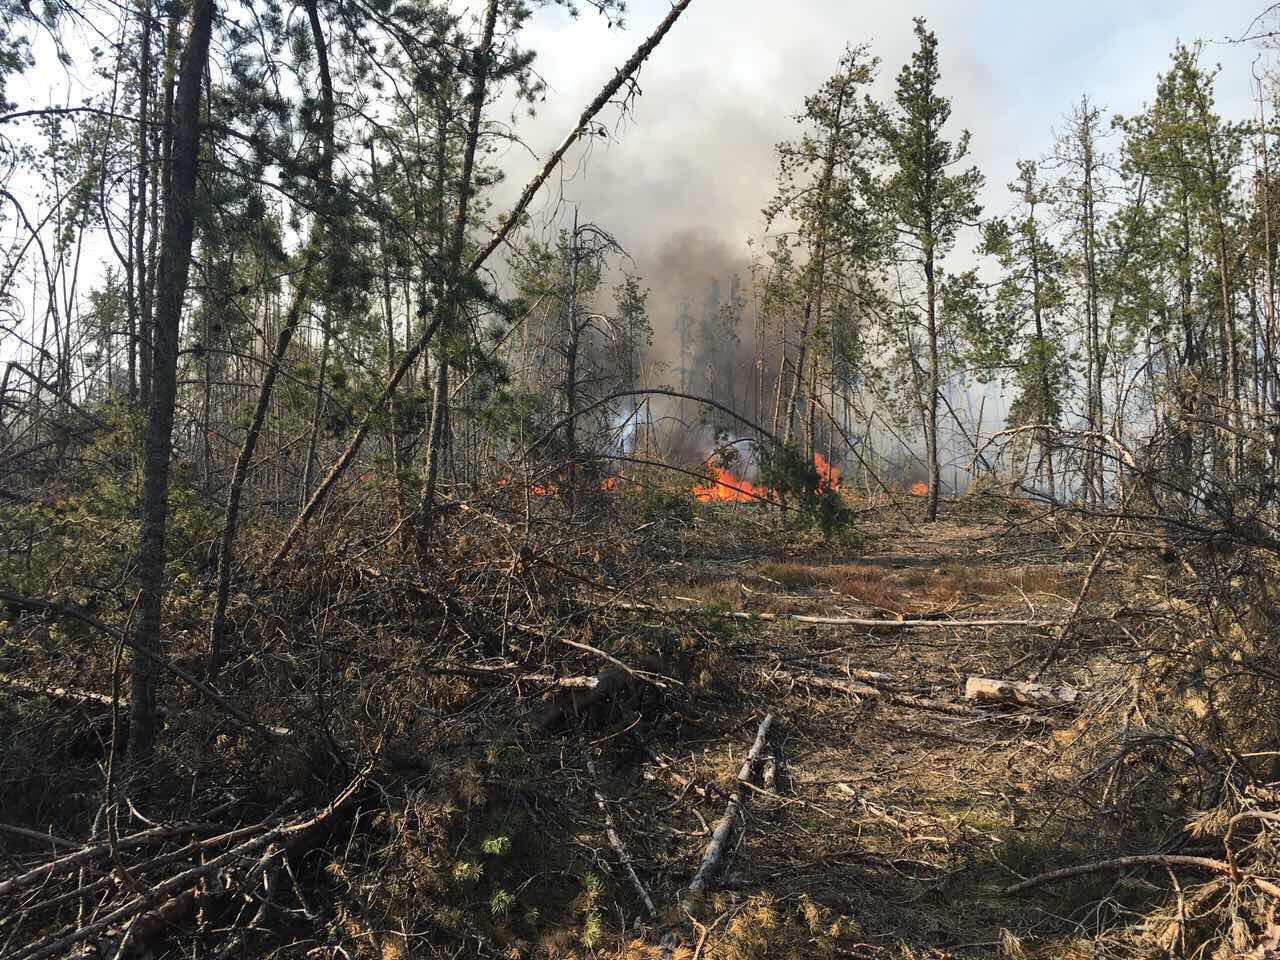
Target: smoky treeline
(334, 464)
(257, 272)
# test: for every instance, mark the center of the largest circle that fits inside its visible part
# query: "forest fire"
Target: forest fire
(548, 489)
(919, 489)
(725, 487)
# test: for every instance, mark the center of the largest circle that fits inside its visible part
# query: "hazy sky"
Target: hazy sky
(720, 91)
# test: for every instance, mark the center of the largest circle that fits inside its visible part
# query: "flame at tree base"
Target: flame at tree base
(919, 489)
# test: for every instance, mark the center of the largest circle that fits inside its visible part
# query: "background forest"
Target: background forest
(367, 517)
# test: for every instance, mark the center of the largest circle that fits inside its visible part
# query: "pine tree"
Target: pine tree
(826, 185)
(926, 204)
(1027, 337)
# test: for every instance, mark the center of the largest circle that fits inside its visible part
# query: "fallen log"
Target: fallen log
(713, 857)
(61, 694)
(867, 692)
(512, 672)
(37, 837)
(988, 690)
(572, 701)
(869, 623)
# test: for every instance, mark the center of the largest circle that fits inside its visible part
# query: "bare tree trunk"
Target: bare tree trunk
(235, 490)
(175, 263)
(1046, 440)
(317, 410)
(388, 313)
(571, 376)
(146, 351)
(451, 304)
(813, 306)
(932, 389)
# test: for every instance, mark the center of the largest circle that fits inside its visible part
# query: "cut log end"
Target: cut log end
(988, 690)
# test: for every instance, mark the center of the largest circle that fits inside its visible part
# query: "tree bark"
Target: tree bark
(174, 266)
(451, 303)
(143, 281)
(932, 387)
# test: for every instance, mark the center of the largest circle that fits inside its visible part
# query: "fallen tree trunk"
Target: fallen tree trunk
(572, 701)
(516, 673)
(866, 692)
(887, 626)
(713, 857)
(62, 694)
(987, 690)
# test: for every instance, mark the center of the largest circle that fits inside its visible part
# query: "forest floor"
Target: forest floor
(891, 829)
(878, 824)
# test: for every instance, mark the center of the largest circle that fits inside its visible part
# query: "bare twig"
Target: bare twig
(615, 840)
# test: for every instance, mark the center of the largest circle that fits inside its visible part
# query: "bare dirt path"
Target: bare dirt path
(887, 827)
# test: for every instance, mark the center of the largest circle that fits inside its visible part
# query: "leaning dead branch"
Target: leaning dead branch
(713, 858)
(1141, 860)
(615, 841)
(514, 217)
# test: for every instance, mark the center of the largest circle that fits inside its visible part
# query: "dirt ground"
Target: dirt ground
(889, 830)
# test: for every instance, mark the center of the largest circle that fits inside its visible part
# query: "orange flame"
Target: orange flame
(550, 489)
(919, 489)
(725, 486)
(828, 476)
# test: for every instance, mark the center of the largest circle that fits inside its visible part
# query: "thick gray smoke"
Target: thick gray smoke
(682, 178)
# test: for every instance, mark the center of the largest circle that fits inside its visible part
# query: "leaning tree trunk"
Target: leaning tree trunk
(235, 491)
(410, 356)
(175, 263)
